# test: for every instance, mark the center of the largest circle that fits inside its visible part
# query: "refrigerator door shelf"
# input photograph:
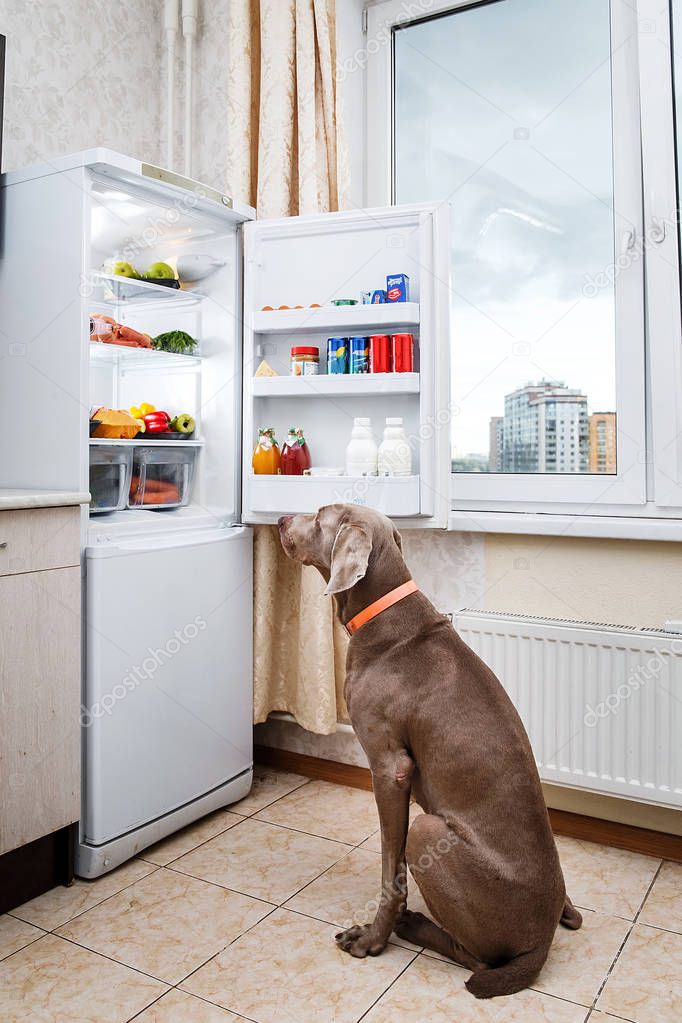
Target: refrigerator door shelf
(395, 496)
(168, 697)
(340, 320)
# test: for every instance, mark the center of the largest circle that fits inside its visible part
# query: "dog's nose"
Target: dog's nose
(283, 520)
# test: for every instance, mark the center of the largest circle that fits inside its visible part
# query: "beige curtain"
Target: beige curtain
(287, 157)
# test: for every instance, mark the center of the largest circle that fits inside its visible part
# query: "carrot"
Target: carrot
(128, 336)
(169, 496)
(153, 485)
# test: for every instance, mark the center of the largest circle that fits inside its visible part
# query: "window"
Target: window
(524, 116)
(518, 138)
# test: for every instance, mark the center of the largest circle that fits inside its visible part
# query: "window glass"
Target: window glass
(503, 110)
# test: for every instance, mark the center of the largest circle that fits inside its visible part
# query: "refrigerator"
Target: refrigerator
(166, 715)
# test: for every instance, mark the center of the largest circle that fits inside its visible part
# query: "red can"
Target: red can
(380, 353)
(402, 346)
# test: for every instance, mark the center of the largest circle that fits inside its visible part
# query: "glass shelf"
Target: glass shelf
(112, 290)
(146, 442)
(124, 357)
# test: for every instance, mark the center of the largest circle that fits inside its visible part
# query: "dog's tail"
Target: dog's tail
(570, 917)
(517, 974)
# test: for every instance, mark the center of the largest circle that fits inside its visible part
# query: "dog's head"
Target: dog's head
(339, 541)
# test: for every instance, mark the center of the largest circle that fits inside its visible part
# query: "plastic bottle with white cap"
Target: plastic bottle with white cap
(395, 456)
(362, 452)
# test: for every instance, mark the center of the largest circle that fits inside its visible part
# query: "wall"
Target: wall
(78, 75)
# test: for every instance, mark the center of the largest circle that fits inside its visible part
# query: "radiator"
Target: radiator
(602, 704)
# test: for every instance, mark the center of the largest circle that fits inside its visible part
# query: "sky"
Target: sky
(505, 111)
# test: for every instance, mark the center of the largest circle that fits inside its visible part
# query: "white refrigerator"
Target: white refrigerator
(167, 688)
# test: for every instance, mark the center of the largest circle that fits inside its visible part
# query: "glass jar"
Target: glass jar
(305, 361)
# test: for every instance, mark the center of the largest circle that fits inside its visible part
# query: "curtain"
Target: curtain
(287, 157)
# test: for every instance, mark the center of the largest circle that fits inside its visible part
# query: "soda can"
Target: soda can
(402, 350)
(378, 297)
(359, 355)
(337, 355)
(380, 353)
(366, 297)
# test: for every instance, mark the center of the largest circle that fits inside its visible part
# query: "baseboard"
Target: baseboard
(33, 869)
(574, 825)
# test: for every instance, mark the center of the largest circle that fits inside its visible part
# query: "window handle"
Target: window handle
(629, 239)
(657, 230)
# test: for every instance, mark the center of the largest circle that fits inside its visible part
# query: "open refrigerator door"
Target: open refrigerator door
(375, 286)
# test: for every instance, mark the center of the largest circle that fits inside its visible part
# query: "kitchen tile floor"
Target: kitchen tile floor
(233, 919)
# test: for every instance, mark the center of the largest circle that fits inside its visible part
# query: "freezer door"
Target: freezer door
(303, 264)
(167, 714)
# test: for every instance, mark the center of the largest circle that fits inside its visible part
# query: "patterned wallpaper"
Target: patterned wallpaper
(80, 74)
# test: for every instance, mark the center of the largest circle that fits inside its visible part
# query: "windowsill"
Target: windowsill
(545, 524)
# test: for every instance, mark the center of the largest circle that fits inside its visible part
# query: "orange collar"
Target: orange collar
(382, 604)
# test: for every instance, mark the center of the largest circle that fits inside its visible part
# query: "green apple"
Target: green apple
(160, 270)
(123, 269)
(184, 423)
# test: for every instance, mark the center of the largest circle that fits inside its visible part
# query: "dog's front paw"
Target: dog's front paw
(360, 941)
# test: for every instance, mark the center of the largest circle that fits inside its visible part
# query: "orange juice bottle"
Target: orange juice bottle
(266, 456)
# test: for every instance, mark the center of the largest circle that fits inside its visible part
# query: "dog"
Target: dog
(436, 723)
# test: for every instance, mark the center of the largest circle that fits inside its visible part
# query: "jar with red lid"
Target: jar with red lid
(305, 361)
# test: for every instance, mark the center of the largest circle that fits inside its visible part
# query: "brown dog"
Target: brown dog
(434, 720)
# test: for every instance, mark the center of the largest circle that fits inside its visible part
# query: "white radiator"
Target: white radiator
(602, 704)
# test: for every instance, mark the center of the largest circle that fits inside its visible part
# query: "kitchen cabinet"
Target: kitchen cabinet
(40, 673)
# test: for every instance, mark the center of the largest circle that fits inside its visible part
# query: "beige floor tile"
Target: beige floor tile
(178, 1007)
(433, 991)
(287, 969)
(663, 907)
(61, 904)
(53, 981)
(608, 880)
(579, 961)
(646, 982)
(190, 837)
(262, 860)
(348, 893)
(331, 811)
(15, 934)
(166, 925)
(268, 785)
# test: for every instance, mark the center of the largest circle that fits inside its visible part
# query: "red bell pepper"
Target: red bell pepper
(157, 422)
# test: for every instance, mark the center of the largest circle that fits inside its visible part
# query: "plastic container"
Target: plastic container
(395, 456)
(110, 472)
(162, 477)
(362, 452)
(305, 361)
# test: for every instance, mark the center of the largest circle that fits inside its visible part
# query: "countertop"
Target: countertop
(11, 500)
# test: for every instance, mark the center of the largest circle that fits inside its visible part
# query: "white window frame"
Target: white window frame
(645, 498)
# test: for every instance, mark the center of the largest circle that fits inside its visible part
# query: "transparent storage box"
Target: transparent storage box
(110, 472)
(162, 476)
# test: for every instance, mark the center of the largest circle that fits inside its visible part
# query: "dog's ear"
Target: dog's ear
(350, 556)
(398, 539)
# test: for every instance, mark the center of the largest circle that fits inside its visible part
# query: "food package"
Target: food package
(115, 424)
